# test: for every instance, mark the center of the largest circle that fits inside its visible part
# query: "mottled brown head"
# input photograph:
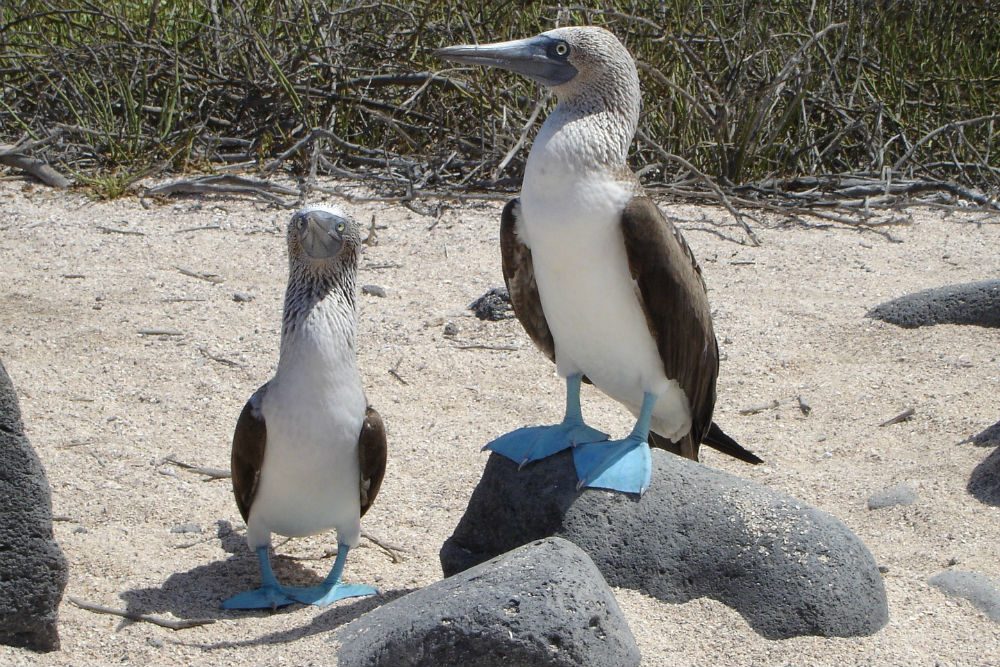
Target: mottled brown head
(321, 238)
(324, 244)
(577, 63)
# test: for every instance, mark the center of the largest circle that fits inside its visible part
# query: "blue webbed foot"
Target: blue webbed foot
(270, 595)
(265, 597)
(332, 589)
(326, 594)
(538, 442)
(620, 465)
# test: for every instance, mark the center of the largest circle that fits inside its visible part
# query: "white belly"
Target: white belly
(592, 304)
(310, 476)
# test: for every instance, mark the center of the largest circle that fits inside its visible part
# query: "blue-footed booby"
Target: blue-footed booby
(601, 281)
(309, 452)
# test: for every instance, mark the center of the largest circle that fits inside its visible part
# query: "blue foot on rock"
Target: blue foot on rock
(327, 594)
(534, 443)
(620, 465)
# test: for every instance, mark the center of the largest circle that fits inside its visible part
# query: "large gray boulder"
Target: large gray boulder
(541, 604)
(32, 567)
(788, 568)
(967, 303)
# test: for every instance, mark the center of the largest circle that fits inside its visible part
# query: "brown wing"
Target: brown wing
(372, 454)
(249, 441)
(519, 275)
(673, 297)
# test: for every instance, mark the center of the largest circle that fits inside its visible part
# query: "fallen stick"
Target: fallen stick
(754, 409)
(210, 277)
(211, 473)
(395, 552)
(37, 168)
(218, 359)
(112, 230)
(179, 624)
(480, 346)
(901, 417)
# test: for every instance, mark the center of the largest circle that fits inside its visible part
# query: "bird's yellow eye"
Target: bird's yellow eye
(340, 227)
(562, 49)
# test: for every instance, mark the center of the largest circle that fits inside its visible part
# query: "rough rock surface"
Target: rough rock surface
(984, 483)
(969, 303)
(974, 587)
(789, 569)
(32, 567)
(989, 437)
(901, 494)
(541, 604)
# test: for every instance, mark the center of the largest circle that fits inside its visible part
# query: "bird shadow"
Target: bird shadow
(984, 483)
(199, 592)
(335, 617)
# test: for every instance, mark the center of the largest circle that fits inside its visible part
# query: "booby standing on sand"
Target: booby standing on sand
(603, 283)
(308, 452)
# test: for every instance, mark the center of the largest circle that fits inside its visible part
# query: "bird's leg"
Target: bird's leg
(538, 442)
(619, 465)
(270, 595)
(331, 589)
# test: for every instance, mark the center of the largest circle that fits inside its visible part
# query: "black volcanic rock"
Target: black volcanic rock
(32, 567)
(968, 303)
(541, 604)
(788, 568)
(493, 305)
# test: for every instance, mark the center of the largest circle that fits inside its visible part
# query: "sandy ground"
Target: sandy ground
(104, 405)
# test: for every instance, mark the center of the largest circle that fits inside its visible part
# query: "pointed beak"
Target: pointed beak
(321, 233)
(535, 58)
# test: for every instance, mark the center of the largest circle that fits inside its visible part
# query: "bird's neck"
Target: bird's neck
(319, 324)
(591, 129)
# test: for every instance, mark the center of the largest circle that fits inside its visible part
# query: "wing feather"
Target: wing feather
(675, 302)
(372, 454)
(519, 276)
(249, 442)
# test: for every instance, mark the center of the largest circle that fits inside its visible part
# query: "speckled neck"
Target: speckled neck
(328, 294)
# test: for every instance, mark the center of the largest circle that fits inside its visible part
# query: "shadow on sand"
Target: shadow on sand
(198, 592)
(984, 483)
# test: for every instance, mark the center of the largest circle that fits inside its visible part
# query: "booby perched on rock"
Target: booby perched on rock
(309, 452)
(603, 283)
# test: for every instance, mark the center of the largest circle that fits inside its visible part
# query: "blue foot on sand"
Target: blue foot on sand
(538, 442)
(265, 597)
(270, 595)
(332, 589)
(326, 594)
(620, 465)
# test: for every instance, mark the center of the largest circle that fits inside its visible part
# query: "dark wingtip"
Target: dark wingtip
(717, 439)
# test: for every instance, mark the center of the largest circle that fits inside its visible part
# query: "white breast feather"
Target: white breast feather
(313, 410)
(570, 218)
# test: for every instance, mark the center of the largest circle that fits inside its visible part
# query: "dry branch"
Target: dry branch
(171, 624)
(40, 169)
(212, 473)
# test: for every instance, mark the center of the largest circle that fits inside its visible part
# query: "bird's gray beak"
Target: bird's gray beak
(536, 58)
(320, 232)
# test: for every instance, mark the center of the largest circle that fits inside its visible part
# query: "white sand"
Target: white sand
(104, 405)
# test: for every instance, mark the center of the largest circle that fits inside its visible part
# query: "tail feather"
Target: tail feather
(715, 438)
